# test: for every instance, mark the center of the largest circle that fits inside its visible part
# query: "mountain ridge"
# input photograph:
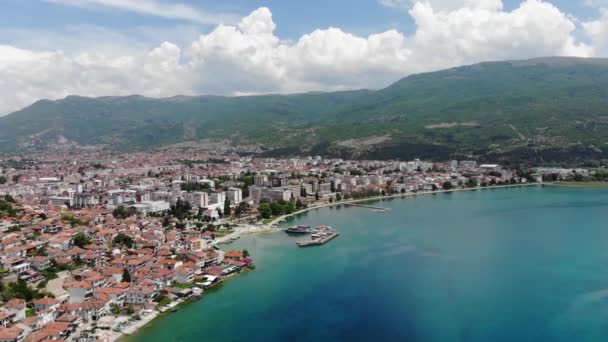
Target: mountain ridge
(542, 109)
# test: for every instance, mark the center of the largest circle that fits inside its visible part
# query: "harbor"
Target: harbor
(320, 236)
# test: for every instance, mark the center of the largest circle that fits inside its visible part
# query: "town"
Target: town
(94, 246)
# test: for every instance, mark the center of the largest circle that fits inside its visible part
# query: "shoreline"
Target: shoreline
(574, 185)
(378, 198)
(257, 228)
(124, 335)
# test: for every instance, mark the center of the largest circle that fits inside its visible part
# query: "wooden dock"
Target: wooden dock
(368, 207)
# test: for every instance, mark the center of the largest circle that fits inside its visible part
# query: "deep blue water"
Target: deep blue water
(526, 264)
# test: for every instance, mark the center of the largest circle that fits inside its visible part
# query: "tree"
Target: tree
(227, 207)
(331, 200)
(166, 221)
(241, 208)
(3, 180)
(245, 253)
(81, 240)
(276, 207)
(14, 228)
(126, 276)
(338, 197)
(121, 212)
(447, 186)
(333, 186)
(303, 192)
(180, 209)
(123, 240)
(300, 204)
(115, 309)
(265, 211)
(316, 196)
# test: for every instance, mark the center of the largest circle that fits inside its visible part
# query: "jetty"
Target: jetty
(321, 240)
(374, 208)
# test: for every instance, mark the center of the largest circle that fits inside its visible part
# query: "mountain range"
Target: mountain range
(544, 110)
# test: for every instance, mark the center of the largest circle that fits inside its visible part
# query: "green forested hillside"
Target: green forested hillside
(540, 110)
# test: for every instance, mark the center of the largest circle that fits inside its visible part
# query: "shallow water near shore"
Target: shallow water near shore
(494, 265)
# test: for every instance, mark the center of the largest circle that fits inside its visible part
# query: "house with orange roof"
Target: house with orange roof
(15, 306)
(56, 330)
(140, 295)
(40, 262)
(6, 318)
(115, 294)
(46, 303)
(234, 255)
(113, 274)
(134, 264)
(195, 244)
(12, 334)
(94, 308)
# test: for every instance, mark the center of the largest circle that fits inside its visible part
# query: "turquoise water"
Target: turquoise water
(526, 264)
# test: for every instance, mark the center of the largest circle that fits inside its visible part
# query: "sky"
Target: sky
(50, 49)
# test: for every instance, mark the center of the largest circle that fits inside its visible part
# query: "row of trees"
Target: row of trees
(275, 208)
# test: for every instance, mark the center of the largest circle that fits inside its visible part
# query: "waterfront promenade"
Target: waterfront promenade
(400, 195)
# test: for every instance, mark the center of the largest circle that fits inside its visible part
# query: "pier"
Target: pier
(318, 242)
(368, 207)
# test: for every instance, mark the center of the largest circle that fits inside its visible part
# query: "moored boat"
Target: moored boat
(299, 230)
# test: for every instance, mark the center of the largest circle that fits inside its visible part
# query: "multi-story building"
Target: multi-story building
(235, 195)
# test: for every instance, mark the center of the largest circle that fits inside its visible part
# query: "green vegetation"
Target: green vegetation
(126, 276)
(73, 220)
(264, 210)
(81, 240)
(115, 309)
(191, 187)
(545, 110)
(121, 212)
(123, 240)
(241, 209)
(227, 209)
(6, 209)
(183, 285)
(180, 209)
(20, 290)
(267, 210)
(14, 229)
(162, 300)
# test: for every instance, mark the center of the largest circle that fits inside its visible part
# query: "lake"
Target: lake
(494, 265)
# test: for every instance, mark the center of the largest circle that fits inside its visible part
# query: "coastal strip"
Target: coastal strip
(379, 198)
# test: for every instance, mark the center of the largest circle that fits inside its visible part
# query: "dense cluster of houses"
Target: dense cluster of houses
(88, 281)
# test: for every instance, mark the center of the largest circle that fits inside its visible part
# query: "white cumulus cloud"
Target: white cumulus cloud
(249, 58)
